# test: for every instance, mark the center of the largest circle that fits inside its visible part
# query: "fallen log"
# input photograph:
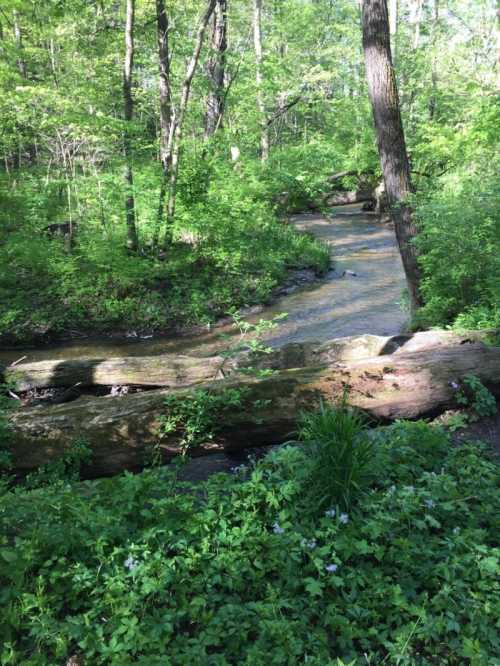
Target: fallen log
(181, 371)
(120, 430)
(348, 197)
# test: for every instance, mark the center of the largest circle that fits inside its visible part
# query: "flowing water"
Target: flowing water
(338, 305)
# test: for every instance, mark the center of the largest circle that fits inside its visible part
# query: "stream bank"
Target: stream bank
(336, 306)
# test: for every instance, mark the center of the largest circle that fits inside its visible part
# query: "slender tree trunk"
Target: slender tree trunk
(417, 22)
(257, 40)
(390, 137)
(128, 112)
(178, 123)
(18, 36)
(434, 66)
(166, 124)
(165, 88)
(393, 27)
(216, 69)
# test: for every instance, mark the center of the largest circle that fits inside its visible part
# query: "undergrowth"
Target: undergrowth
(251, 568)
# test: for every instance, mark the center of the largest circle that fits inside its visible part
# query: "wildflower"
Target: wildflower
(331, 568)
(277, 529)
(430, 503)
(131, 563)
(330, 513)
(454, 386)
(309, 544)
(456, 530)
(344, 518)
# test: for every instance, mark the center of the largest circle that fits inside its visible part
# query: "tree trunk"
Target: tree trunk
(418, 7)
(179, 120)
(164, 84)
(434, 65)
(216, 69)
(120, 430)
(181, 371)
(18, 36)
(128, 111)
(393, 27)
(261, 107)
(390, 137)
(166, 124)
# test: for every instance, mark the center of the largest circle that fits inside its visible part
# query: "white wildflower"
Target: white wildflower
(456, 530)
(430, 503)
(344, 518)
(277, 529)
(311, 544)
(131, 563)
(331, 568)
(330, 513)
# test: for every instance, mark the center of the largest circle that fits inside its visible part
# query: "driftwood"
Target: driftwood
(181, 371)
(404, 384)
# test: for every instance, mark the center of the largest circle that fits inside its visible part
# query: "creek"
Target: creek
(335, 306)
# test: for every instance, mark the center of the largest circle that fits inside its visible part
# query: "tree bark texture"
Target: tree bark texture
(128, 109)
(390, 137)
(216, 70)
(405, 384)
(181, 370)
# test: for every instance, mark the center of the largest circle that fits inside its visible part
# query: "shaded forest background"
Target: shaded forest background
(270, 111)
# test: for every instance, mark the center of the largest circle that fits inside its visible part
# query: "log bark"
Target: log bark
(120, 430)
(350, 197)
(182, 371)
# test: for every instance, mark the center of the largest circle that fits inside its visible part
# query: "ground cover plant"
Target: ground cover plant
(248, 569)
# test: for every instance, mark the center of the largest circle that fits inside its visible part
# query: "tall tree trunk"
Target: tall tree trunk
(434, 66)
(390, 137)
(166, 121)
(418, 7)
(18, 36)
(393, 27)
(128, 111)
(177, 133)
(216, 69)
(261, 107)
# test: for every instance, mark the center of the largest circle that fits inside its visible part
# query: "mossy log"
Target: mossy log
(181, 371)
(405, 384)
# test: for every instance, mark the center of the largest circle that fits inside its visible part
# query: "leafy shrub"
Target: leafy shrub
(460, 245)
(137, 569)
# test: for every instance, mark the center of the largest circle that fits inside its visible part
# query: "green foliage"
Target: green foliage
(6, 405)
(140, 569)
(64, 469)
(199, 418)
(341, 452)
(460, 245)
(475, 395)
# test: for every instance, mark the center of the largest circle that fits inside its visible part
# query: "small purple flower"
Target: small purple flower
(277, 529)
(454, 386)
(331, 568)
(344, 518)
(430, 503)
(330, 513)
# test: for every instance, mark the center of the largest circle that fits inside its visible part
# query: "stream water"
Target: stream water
(336, 306)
